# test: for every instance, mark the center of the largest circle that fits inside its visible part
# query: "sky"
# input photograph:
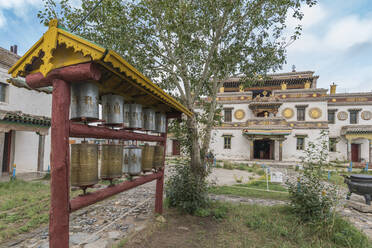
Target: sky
(336, 40)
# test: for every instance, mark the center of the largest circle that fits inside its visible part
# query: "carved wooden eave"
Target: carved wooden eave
(58, 48)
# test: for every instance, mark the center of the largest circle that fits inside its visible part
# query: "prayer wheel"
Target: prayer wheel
(84, 165)
(136, 116)
(147, 157)
(133, 160)
(125, 160)
(160, 122)
(84, 101)
(111, 161)
(149, 119)
(112, 109)
(126, 112)
(158, 157)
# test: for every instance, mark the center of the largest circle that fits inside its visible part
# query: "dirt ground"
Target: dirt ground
(228, 177)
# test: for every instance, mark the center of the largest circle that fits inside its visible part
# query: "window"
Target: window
(228, 115)
(332, 144)
(227, 142)
(300, 143)
(353, 117)
(300, 114)
(331, 117)
(3, 92)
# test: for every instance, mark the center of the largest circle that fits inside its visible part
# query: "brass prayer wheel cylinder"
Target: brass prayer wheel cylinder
(84, 165)
(158, 157)
(133, 160)
(125, 160)
(136, 116)
(126, 112)
(149, 119)
(112, 109)
(84, 101)
(111, 161)
(147, 157)
(160, 122)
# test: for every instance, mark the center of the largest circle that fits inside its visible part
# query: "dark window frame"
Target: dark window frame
(227, 142)
(302, 145)
(226, 117)
(353, 117)
(333, 119)
(3, 92)
(301, 117)
(332, 144)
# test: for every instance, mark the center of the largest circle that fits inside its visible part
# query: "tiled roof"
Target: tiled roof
(7, 58)
(22, 118)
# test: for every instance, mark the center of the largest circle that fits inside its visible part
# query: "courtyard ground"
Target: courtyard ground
(106, 223)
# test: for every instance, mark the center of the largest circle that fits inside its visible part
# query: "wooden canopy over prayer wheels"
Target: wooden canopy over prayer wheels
(61, 59)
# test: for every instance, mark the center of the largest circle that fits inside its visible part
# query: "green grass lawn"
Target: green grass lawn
(244, 226)
(248, 190)
(23, 206)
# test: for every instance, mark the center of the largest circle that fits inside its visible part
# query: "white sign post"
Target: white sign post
(276, 177)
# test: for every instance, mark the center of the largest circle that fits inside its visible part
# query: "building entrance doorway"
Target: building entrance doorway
(355, 152)
(264, 149)
(6, 152)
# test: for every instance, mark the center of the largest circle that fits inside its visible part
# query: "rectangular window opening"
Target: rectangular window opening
(300, 143)
(332, 144)
(227, 142)
(300, 114)
(331, 117)
(228, 115)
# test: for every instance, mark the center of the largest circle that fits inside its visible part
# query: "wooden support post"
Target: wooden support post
(251, 149)
(60, 166)
(280, 150)
(160, 180)
(40, 154)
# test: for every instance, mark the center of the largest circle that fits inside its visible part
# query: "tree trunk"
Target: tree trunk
(196, 160)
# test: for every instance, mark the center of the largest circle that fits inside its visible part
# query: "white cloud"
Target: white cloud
(2, 19)
(349, 31)
(20, 8)
(312, 16)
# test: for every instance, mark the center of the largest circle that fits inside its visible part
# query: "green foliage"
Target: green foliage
(312, 199)
(186, 190)
(215, 210)
(227, 165)
(189, 48)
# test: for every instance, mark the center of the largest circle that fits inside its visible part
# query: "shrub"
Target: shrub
(228, 165)
(312, 199)
(185, 190)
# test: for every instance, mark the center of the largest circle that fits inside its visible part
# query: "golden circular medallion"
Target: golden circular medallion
(284, 96)
(366, 115)
(287, 113)
(242, 98)
(314, 95)
(334, 99)
(342, 115)
(239, 114)
(315, 113)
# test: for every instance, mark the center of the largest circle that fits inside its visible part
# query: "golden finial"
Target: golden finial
(222, 89)
(241, 88)
(53, 23)
(307, 84)
(284, 86)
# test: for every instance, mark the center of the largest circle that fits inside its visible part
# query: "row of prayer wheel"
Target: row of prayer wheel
(132, 160)
(85, 105)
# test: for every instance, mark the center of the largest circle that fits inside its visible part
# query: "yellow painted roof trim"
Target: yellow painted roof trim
(54, 35)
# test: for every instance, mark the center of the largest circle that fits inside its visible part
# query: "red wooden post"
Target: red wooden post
(60, 166)
(160, 180)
